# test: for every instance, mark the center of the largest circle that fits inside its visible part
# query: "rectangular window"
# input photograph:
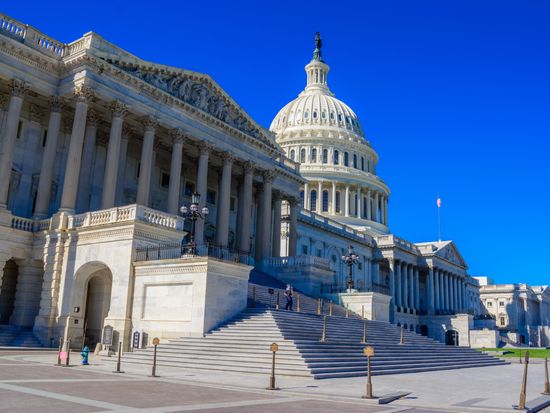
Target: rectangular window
(44, 137)
(232, 204)
(211, 197)
(164, 180)
(189, 189)
(19, 129)
(501, 304)
(502, 321)
(489, 304)
(304, 249)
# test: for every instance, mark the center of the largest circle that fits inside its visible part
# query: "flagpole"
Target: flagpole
(439, 217)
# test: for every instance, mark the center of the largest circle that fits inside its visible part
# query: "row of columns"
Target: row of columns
(374, 209)
(446, 291)
(80, 159)
(366, 165)
(405, 285)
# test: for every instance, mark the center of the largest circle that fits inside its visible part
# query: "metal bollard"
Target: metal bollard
(368, 352)
(277, 305)
(253, 296)
(156, 342)
(298, 303)
(520, 361)
(546, 382)
(318, 306)
(330, 308)
(274, 348)
(347, 310)
(364, 341)
(67, 360)
(523, 394)
(119, 355)
(59, 352)
(324, 334)
(402, 341)
(362, 311)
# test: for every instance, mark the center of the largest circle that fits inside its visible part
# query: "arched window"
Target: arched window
(368, 165)
(325, 201)
(314, 114)
(293, 154)
(302, 155)
(355, 205)
(325, 155)
(355, 161)
(314, 155)
(306, 114)
(332, 115)
(362, 163)
(302, 199)
(337, 202)
(336, 157)
(346, 159)
(313, 200)
(339, 118)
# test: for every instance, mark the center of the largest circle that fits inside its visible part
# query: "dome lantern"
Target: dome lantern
(317, 70)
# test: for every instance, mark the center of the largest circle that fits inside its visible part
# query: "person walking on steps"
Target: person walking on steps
(289, 292)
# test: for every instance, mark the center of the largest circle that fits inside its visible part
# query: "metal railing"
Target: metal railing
(192, 250)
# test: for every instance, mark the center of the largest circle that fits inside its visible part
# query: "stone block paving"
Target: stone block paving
(29, 382)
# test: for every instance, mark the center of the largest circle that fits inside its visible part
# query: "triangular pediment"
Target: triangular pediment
(197, 90)
(448, 251)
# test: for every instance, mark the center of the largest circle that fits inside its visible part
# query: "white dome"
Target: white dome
(314, 109)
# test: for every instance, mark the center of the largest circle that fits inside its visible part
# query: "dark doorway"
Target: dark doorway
(98, 300)
(451, 338)
(424, 330)
(521, 339)
(7, 295)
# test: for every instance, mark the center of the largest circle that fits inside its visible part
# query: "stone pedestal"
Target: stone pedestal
(376, 306)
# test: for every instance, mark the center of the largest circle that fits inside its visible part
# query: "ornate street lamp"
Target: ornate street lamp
(350, 259)
(193, 214)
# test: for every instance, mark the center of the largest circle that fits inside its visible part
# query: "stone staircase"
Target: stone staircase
(15, 337)
(242, 345)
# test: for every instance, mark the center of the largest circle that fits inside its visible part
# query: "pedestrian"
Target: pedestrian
(289, 292)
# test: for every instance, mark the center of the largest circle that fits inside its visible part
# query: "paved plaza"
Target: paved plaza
(29, 381)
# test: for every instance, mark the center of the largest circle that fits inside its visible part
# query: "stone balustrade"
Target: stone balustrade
(126, 213)
(299, 260)
(348, 170)
(23, 224)
(331, 224)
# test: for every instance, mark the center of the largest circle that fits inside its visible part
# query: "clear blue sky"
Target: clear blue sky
(454, 96)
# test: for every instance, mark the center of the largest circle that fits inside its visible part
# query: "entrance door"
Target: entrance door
(424, 330)
(451, 338)
(98, 300)
(7, 294)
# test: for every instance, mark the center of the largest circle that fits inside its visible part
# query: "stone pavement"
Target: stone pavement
(30, 382)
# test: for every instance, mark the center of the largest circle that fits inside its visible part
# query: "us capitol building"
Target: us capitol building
(99, 149)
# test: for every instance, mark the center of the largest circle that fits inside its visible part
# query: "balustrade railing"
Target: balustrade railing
(23, 224)
(359, 286)
(191, 250)
(295, 261)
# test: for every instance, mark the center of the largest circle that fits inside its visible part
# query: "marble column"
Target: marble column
(87, 164)
(118, 111)
(147, 162)
(319, 197)
(47, 168)
(430, 302)
(121, 173)
(382, 209)
(224, 198)
(264, 218)
(460, 307)
(391, 264)
(245, 228)
(174, 186)
(72, 169)
(411, 287)
(346, 205)
(416, 289)
(293, 236)
(306, 197)
(376, 207)
(447, 291)
(333, 203)
(399, 285)
(369, 206)
(276, 243)
(386, 211)
(18, 90)
(358, 203)
(201, 187)
(455, 293)
(405, 276)
(27, 293)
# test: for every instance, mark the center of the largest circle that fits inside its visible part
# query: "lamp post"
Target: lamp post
(350, 259)
(193, 214)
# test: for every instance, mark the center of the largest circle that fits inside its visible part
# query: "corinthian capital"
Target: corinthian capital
(268, 176)
(204, 148)
(248, 167)
(177, 135)
(227, 157)
(118, 109)
(149, 123)
(83, 93)
(3, 102)
(18, 87)
(56, 104)
(126, 131)
(93, 117)
(35, 113)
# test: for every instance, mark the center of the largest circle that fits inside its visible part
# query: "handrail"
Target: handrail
(191, 250)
